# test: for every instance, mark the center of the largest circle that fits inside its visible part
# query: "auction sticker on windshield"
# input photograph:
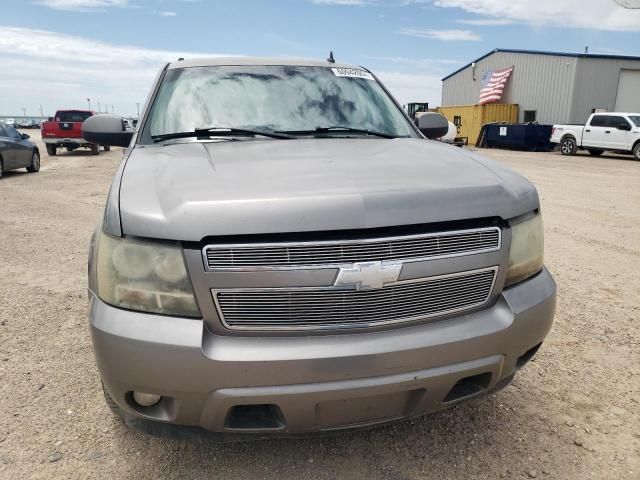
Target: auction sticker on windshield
(352, 72)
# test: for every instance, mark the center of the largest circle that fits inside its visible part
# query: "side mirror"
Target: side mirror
(24, 136)
(624, 126)
(433, 125)
(106, 129)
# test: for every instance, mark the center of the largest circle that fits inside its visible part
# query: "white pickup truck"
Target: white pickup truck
(612, 131)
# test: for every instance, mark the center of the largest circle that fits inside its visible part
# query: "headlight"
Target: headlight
(144, 276)
(527, 250)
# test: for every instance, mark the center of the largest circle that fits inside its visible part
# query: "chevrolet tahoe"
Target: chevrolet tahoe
(283, 251)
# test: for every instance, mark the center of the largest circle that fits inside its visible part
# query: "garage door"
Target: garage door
(628, 99)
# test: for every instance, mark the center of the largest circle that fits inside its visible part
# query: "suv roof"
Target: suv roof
(233, 61)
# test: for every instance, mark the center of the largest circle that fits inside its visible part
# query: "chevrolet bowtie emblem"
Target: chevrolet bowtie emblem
(368, 275)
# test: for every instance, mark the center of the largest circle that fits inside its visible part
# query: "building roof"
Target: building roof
(538, 52)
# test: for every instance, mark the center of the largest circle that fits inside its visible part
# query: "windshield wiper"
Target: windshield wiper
(222, 132)
(339, 129)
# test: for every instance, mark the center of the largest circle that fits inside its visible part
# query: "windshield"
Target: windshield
(278, 98)
(635, 119)
(72, 116)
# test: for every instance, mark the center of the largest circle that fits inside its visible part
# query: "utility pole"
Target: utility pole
(98, 106)
(41, 114)
(111, 108)
(89, 103)
(24, 112)
(138, 105)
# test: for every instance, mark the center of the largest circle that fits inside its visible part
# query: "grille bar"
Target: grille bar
(318, 308)
(288, 255)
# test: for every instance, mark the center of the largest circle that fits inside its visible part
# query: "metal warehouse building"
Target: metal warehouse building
(552, 87)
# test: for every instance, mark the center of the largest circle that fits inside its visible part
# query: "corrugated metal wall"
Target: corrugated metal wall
(597, 85)
(474, 116)
(539, 82)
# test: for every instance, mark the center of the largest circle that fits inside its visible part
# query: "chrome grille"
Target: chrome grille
(328, 253)
(323, 308)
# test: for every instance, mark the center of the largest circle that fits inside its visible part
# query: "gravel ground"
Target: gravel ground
(572, 413)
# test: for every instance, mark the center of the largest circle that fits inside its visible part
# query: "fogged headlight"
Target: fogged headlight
(144, 276)
(527, 250)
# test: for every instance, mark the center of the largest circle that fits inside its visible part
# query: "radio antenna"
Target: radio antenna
(331, 59)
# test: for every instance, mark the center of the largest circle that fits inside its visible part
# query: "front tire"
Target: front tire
(35, 163)
(568, 146)
(1, 168)
(51, 150)
(636, 151)
(595, 152)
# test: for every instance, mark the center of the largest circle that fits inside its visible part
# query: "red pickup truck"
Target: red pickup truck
(64, 130)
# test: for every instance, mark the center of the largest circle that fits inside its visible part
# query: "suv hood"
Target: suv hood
(188, 191)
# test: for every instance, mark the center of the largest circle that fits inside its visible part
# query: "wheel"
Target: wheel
(51, 150)
(1, 168)
(113, 406)
(636, 151)
(568, 146)
(595, 152)
(95, 149)
(107, 148)
(35, 163)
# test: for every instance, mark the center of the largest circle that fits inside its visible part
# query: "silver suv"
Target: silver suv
(283, 251)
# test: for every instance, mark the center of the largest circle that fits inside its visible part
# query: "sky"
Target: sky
(58, 53)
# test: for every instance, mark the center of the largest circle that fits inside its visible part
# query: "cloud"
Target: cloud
(383, 3)
(82, 5)
(591, 14)
(484, 22)
(418, 62)
(340, 2)
(167, 13)
(409, 87)
(446, 35)
(37, 69)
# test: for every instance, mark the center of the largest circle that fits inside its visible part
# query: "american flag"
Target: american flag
(493, 85)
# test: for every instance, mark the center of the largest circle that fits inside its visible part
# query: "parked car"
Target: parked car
(283, 251)
(611, 131)
(10, 121)
(16, 151)
(64, 131)
(31, 123)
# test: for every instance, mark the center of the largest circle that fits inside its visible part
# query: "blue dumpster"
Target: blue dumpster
(518, 136)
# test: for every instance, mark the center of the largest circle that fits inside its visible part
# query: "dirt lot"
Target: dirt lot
(573, 413)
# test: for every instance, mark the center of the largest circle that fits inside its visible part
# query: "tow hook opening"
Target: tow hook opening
(255, 417)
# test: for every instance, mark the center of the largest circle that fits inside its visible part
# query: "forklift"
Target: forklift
(414, 108)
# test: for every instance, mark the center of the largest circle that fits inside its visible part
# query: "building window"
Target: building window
(529, 116)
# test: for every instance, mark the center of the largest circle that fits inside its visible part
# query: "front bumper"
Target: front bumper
(291, 385)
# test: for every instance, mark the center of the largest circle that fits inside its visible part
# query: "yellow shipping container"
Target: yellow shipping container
(470, 118)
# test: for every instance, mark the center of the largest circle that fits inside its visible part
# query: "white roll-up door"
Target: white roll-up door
(628, 99)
